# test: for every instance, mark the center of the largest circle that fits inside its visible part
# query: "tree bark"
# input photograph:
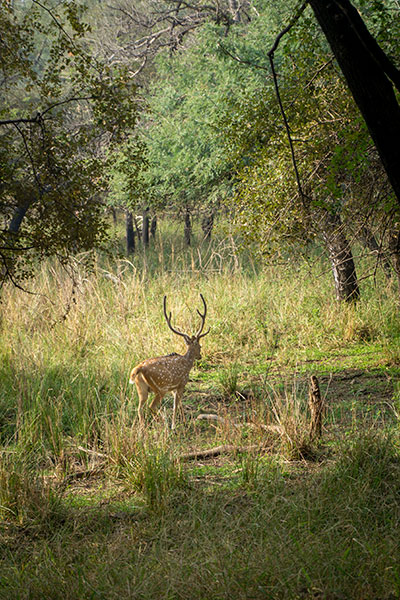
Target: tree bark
(146, 227)
(19, 215)
(341, 257)
(187, 233)
(130, 233)
(369, 74)
(316, 405)
(207, 224)
(153, 226)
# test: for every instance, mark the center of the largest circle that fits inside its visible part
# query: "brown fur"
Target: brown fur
(169, 373)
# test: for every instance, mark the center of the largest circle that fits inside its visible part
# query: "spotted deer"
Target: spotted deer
(168, 373)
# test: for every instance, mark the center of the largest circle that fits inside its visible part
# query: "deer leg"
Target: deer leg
(143, 392)
(177, 406)
(155, 403)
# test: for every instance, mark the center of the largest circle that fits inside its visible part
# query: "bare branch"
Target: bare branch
(293, 21)
(278, 95)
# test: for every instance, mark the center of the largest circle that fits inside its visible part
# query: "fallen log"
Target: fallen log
(224, 449)
(212, 417)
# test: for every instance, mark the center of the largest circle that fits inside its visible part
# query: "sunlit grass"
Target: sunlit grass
(72, 373)
(120, 506)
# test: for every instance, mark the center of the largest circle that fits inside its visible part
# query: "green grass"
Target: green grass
(91, 506)
(330, 533)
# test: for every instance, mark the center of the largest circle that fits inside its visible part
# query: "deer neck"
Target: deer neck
(189, 356)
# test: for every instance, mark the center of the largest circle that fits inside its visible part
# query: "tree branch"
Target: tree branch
(278, 95)
(37, 119)
(294, 20)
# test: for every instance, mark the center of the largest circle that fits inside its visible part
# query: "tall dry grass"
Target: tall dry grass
(249, 528)
(68, 377)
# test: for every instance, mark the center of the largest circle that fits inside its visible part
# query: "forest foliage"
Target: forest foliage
(234, 120)
(189, 111)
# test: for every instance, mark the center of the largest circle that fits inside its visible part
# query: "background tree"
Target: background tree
(62, 111)
(135, 32)
(151, 40)
(188, 166)
(333, 154)
(223, 83)
(370, 74)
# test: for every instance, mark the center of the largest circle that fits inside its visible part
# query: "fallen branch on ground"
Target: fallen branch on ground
(224, 449)
(213, 417)
(93, 452)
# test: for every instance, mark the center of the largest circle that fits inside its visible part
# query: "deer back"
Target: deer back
(165, 372)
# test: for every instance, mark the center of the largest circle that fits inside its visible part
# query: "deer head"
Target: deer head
(192, 342)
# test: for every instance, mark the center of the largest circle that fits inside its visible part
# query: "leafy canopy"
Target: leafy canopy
(62, 112)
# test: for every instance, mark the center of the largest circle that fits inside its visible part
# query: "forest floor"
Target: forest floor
(243, 504)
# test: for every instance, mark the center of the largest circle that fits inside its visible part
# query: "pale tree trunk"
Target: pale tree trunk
(341, 257)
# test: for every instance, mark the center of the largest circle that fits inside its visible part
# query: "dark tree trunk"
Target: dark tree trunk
(145, 227)
(19, 215)
(341, 257)
(130, 233)
(153, 226)
(368, 72)
(187, 233)
(207, 225)
(114, 215)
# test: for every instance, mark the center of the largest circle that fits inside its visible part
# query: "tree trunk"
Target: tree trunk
(145, 227)
(343, 268)
(368, 72)
(207, 225)
(187, 233)
(19, 215)
(130, 233)
(153, 226)
(316, 405)
(137, 228)
(114, 216)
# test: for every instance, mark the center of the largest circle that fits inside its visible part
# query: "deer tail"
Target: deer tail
(134, 372)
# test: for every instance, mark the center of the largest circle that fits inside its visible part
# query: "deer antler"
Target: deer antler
(199, 334)
(203, 320)
(168, 319)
